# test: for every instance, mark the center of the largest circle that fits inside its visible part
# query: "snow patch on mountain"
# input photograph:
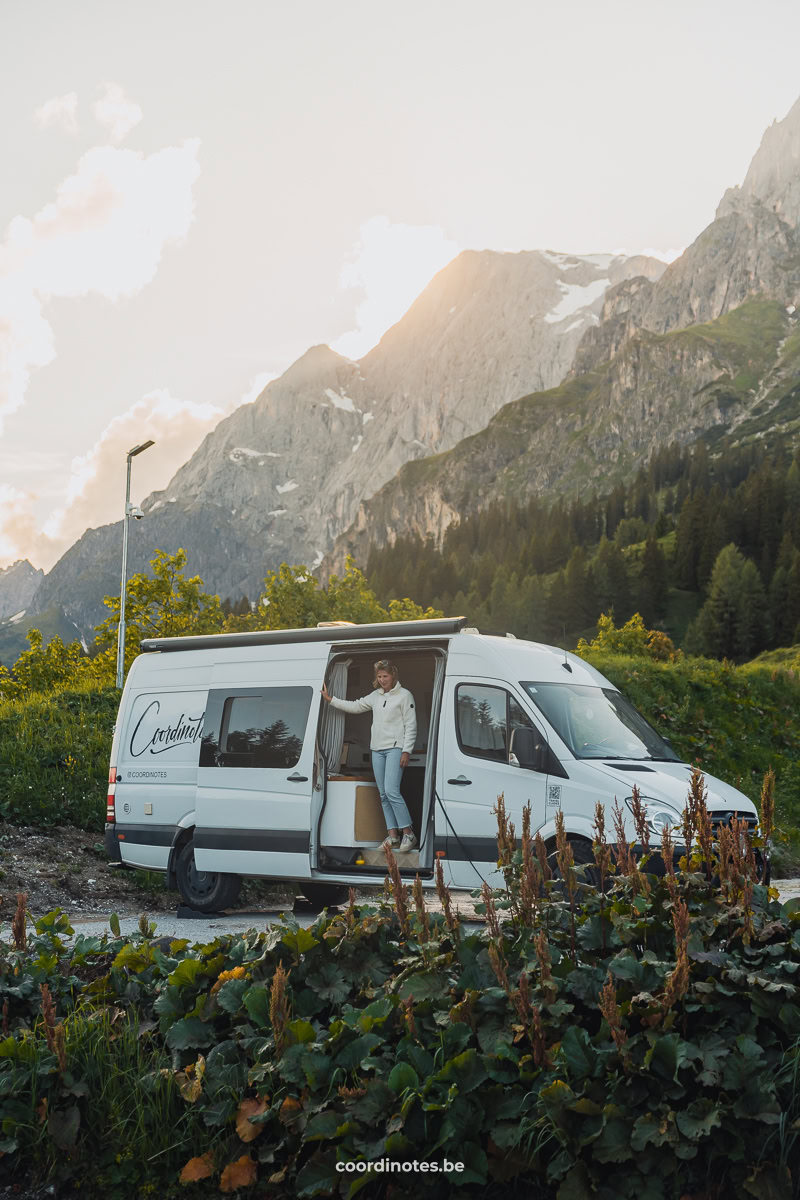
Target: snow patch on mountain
(341, 401)
(576, 296)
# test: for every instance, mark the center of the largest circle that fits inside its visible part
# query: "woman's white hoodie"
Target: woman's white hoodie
(394, 718)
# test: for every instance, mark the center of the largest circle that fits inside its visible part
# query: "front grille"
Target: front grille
(725, 816)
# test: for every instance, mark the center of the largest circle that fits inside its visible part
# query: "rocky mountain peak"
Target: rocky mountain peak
(18, 583)
(773, 178)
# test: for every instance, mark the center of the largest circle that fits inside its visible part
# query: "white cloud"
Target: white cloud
(256, 387)
(95, 493)
(117, 112)
(19, 535)
(105, 232)
(392, 264)
(95, 490)
(61, 111)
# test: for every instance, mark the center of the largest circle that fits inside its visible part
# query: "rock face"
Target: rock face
(282, 477)
(648, 388)
(600, 426)
(18, 584)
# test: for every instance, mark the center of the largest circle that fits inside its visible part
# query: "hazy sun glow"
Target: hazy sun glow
(391, 265)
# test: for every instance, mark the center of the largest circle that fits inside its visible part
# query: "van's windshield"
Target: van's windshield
(598, 722)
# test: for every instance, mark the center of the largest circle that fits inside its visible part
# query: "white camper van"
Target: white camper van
(226, 762)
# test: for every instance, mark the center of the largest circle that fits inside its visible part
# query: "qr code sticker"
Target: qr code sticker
(554, 795)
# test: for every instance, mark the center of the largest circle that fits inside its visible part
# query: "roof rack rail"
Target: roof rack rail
(377, 631)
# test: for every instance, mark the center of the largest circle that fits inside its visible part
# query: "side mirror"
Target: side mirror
(529, 749)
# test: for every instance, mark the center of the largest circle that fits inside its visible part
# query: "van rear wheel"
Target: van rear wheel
(204, 891)
(325, 895)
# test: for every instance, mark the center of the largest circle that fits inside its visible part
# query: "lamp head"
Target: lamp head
(138, 449)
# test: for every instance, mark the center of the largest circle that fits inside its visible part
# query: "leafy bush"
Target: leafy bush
(633, 638)
(736, 722)
(638, 1039)
(54, 753)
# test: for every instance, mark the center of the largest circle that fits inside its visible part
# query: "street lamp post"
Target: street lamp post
(130, 510)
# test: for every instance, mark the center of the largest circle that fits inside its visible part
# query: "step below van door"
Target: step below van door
(478, 716)
(255, 781)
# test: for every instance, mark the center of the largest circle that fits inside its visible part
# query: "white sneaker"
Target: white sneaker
(390, 843)
(408, 843)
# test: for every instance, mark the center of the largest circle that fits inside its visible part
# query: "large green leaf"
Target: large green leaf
(476, 1165)
(614, 1142)
(169, 1005)
(322, 1127)
(378, 1100)
(256, 1001)
(191, 1032)
(63, 1125)
(186, 972)
(403, 1076)
(229, 996)
(326, 980)
(698, 1119)
(319, 1177)
(299, 940)
(351, 1056)
(302, 1031)
(225, 1067)
(576, 1185)
(466, 1070)
(424, 985)
(580, 1054)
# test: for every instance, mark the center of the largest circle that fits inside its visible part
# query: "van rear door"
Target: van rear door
(255, 780)
(156, 764)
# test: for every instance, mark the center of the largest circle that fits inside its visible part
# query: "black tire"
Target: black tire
(325, 895)
(582, 855)
(204, 891)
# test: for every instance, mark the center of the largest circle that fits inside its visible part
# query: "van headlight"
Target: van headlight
(659, 815)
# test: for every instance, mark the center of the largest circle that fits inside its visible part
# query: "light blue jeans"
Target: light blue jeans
(387, 771)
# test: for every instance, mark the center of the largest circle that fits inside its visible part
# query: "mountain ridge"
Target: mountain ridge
(281, 477)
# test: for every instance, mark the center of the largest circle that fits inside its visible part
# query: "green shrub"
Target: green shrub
(735, 722)
(638, 1040)
(54, 754)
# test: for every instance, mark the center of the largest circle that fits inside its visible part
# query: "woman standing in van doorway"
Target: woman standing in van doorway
(394, 731)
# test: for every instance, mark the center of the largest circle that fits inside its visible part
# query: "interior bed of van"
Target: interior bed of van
(352, 825)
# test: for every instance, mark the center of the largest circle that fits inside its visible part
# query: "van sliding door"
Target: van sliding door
(254, 781)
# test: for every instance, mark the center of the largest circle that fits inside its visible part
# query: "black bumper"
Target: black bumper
(111, 844)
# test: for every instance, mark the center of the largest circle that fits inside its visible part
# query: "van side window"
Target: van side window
(259, 727)
(484, 717)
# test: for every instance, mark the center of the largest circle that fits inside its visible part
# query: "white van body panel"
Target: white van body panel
(258, 821)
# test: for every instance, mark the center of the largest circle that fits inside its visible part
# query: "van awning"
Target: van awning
(379, 631)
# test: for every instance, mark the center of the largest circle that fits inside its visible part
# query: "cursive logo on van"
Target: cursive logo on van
(185, 731)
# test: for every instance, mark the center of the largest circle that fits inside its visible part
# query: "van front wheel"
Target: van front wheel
(204, 891)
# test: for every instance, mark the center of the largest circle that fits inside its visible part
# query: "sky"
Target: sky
(193, 193)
